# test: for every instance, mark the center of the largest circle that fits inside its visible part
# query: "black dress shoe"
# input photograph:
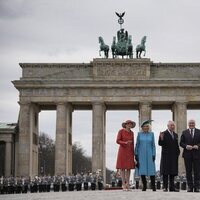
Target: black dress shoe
(190, 190)
(165, 190)
(144, 189)
(196, 190)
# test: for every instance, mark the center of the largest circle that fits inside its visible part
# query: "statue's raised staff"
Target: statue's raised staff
(103, 47)
(123, 46)
(141, 47)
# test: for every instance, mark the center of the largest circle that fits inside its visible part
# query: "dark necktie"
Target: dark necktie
(172, 134)
(192, 132)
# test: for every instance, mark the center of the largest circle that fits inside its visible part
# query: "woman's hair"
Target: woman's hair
(149, 125)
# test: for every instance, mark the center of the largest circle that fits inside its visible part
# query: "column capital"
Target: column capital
(66, 104)
(22, 103)
(181, 102)
(145, 103)
(101, 103)
(61, 103)
(98, 102)
(178, 104)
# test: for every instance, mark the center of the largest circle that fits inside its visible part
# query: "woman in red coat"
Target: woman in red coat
(125, 158)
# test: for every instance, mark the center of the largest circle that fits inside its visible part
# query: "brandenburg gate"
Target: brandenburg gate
(102, 84)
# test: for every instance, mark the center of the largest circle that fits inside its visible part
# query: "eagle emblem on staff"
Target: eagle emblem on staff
(120, 15)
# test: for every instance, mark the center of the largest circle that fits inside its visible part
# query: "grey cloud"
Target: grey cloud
(14, 9)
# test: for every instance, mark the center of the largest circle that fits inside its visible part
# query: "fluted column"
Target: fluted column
(63, 161)
(144, 111)
(180, 118)
(98, 137)
(25, 141)
(68, 160)
(8, 157)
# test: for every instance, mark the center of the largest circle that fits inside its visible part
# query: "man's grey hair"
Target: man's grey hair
(191, 120)
(170, 122)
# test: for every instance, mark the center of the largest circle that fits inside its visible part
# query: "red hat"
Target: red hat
(127, 122)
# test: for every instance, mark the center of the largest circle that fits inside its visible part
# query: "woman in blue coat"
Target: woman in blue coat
(145, 154)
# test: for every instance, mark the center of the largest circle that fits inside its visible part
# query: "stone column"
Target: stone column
(34, 120)
(144, 111)
(62, 157)
(25, 141)
(180, 118)
(98, 138)
(68, 161)
(8, 157)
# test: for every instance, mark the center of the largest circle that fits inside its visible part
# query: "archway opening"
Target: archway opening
(46, 142)
(81, 141)
(114, 119)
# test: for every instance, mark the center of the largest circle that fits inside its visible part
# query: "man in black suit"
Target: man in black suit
(190, 141)
(169, 157)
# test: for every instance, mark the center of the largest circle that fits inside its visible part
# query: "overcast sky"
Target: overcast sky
(68, 30)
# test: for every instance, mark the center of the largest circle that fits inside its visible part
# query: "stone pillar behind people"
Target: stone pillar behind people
(98, 137)
(62, 159)
(8, 158)
(180, 118)
(144, 111)
(27, 140)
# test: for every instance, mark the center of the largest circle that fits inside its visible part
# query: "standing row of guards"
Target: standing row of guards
(142, 157)
(180, 182)
(12, 185)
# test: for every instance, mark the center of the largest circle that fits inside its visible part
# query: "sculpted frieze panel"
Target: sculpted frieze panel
(121, 71)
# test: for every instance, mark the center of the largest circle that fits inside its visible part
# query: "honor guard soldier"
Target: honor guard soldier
(78, 182)
(158, 183)
(86, 180)
(177, 183)
(40, 185)
(99, 179)
(183, 183)
(63, 184)
(18, 185)
(93, 181)
(71, 183)
(100, 182)
(25, 184)
(49, 180)
(11, 185)
(119, 180)
(31, 186)
(137, 182)
(113, 179)
(1, 185)
(57, 184)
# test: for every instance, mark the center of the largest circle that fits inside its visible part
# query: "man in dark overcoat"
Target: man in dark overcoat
(168, 140)
(190, 142)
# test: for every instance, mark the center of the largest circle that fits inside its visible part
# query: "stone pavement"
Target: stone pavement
(104, 195)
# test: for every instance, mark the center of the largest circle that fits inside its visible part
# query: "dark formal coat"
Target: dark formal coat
(170, 154)
(186, 139)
